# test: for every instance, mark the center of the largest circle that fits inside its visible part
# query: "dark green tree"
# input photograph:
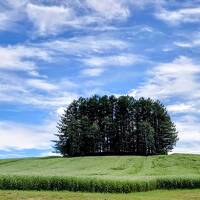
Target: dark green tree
(110, 125)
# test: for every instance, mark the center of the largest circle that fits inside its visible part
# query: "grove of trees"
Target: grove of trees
(102, 125)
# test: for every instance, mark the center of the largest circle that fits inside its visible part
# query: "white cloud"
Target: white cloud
(99, 64)
(182, 44)
(52, 19)
(183, 15)
(178, 78)
(25, 57)
(118, 60)
(19, 58)
(110, 9)
(60, 111)
(41, 84)
(181, 108)
(14, 89)
(36, 90)
(81, 46)
(22, 89)
(177, 81)
(92, 71)
(49, 153)
(4, 20)
(20, 136)
(194, 43)
(11, 13)
(191, 147)
(15, 4)
(189, 135)
(49, 19)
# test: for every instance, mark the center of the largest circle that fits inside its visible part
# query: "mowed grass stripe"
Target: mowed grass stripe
(153, 195)
(127, 167)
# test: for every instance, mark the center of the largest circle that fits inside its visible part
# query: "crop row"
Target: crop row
(96, 185)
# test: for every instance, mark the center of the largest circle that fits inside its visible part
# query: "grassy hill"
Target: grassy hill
(176, 171)
(126, 167)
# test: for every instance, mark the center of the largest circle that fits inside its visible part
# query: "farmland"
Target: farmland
(106, 167)
(152, 195)
(121, 174)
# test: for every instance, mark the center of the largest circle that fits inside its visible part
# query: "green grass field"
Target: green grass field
(101, 174)
(111, 167)
(153, 195)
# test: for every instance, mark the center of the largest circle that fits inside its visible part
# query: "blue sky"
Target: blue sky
(53, 51)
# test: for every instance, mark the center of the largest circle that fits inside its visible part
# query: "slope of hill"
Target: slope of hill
(101, 174)
(128, 167)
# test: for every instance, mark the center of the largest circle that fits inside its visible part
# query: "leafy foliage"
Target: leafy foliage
(110, 125)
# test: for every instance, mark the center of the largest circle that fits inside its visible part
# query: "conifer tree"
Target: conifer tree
(111, 125)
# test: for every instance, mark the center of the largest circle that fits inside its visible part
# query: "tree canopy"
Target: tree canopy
(102, 125)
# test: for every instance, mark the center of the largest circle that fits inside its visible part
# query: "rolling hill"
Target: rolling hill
(111, 167)
(102, 173)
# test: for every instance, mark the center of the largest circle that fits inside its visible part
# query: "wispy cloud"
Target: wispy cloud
(177, 84)
(183, 15)
(100, 64)
(41, 84)
(189, 134)
(181, 108)
(4, 21)
(110, 9)
(27, 136)
(195, 42)
(34, 88)
(55, 51)
(12, 12)
(49, 19)
(27, 91)
(20, 58)
(115, 60)
(92, 71)
(178, 78)
(85, 45)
